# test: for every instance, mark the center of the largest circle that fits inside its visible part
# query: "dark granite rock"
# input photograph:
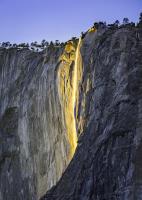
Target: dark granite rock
(107, 163)
(33, 144)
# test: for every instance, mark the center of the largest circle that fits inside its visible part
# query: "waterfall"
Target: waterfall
(75, 85)
(68, 76)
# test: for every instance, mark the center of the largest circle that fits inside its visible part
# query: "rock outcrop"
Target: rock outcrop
(107, 163)
(34, 145)
(84, 98)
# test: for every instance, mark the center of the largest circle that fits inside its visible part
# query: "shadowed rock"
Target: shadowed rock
(107, 163)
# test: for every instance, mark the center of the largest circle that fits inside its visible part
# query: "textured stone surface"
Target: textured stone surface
(34, 147)
(38, 136)
(107, 163)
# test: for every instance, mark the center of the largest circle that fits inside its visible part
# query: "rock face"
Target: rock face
(107, 163)
(34, 146)
(91, 89)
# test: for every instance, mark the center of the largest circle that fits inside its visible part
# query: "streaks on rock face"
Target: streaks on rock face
(107, 162)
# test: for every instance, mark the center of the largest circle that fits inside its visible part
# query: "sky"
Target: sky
(34, 20)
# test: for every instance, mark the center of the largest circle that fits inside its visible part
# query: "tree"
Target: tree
(140, 18)
(3, 45)
(6, 44)
(32, 44)
(96, 25)
(125, 21)
(43, 43)
(116, 23)
(139, 24)
(62, 44)
(112, 26)
(14, 45)
(102, 24)
(51, 44)
(57, 43)
(27, 45)
(22, 45)
(35, 44)
(82, 35)
(46, 43)
(132, 24)
(74, 38)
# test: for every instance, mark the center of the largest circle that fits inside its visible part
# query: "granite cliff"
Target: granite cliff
(34, 148)
(107, 163)
(80, 103)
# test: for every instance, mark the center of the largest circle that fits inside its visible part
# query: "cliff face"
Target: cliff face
(107, 163)
(34, 145)
(91, 90)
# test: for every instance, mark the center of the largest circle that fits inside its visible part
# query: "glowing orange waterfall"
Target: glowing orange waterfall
(68, 90)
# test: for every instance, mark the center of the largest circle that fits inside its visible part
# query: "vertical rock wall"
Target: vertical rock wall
(107, 163)
(34, 145)
(90, 89)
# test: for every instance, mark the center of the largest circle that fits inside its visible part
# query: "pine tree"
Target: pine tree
(140, 18)
(125, 21)
(116, 23)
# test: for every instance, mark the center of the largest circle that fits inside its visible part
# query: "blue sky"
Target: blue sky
(34, 20)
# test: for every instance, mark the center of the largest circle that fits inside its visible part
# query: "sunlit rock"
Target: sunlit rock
(107, 162)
